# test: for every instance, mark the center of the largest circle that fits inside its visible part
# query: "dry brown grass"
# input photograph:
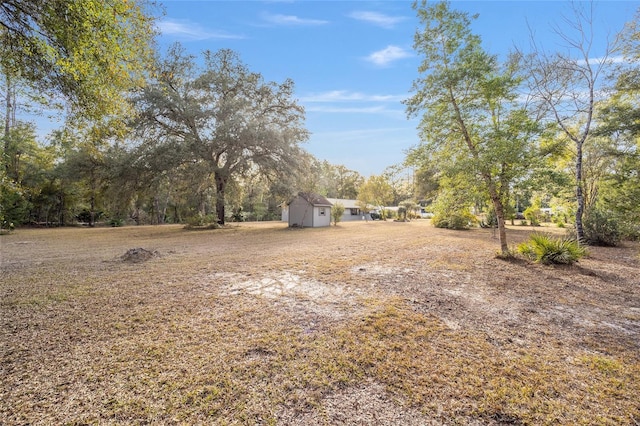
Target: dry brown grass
(365, 323)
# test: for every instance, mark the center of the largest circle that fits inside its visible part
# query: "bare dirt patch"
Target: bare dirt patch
(137, 255)
(364, 323)
(309, 301)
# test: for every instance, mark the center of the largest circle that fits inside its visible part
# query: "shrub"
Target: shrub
(534, 215)
(238, 215)
(336, 213)
(490, 219)
(85, 216)
(402, 213)
(601, 228)
(199, 220)
(542, 248)
(6, 227)
(452, 211)
(630, 231)
(116, 222)
(454, 220)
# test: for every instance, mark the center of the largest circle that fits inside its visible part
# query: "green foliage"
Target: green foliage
(402, 213)
(534, 215)
(557, 82)
(238, 215)
(407, 209)
(560, 217)
(336, 213)
(14, 207)
(544, 249)
(202, 221)
(402, 183)
(7, 226)
(490, 220)
(218, 115)
(454, 220)
(375, 191)
(620, 191)
(91, 51)
(115, 223)
(451, 210)
(332, 181)
(89, 217)
(471, 123)
(601, 228)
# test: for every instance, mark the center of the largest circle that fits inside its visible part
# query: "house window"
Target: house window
(355, 212)
(322, 211)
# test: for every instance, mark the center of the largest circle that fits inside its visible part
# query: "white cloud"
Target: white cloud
(191, 31)
(379, 19)
(379, 135)
(348, 110)
(292, 20)
(387, 55)
(346, 96)
(610, 60)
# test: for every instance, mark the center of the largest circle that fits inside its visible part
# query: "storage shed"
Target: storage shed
(309, 210)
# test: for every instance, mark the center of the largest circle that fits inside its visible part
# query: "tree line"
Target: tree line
(174, 137)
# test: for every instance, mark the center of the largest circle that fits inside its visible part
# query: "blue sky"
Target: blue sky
(353, 62)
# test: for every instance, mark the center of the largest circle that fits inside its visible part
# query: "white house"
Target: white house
(351, 210)
(308, 210)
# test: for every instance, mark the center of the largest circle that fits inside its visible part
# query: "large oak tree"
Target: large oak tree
(222, 114)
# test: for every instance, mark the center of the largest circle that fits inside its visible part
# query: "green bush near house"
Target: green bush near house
(336, 213)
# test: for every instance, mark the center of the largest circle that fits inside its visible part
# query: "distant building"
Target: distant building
(351, 210)
(308, 210)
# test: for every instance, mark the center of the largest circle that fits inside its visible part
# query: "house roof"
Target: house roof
(315, 199)
(347, 204)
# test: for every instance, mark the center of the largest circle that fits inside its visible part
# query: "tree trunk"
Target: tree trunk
(176, 215)
(579, 194)
(92, 212)
(92, 201)
(61, 208)
(493, 192)
(502, 230)
(221, 186)
(160, 213)
(7, 124)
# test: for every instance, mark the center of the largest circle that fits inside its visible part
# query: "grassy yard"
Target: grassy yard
(379, 323)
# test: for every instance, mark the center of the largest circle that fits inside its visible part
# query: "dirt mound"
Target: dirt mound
(137, 255)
